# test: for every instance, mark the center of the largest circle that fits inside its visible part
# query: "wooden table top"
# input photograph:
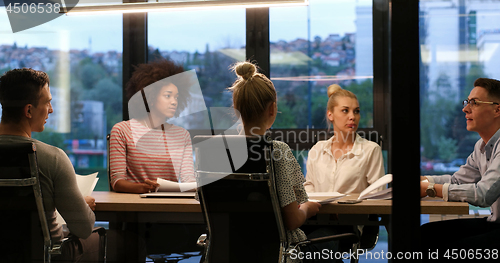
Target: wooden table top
(122, 202)
(383, 207)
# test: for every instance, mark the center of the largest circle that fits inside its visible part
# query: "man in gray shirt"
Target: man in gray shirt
(477, 182)
(26, 105)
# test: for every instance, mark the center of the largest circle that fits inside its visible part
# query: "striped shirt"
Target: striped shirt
(138, 153)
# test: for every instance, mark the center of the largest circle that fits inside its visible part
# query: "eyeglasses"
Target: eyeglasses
(474, 102)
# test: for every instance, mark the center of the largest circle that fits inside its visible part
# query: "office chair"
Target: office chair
(158, 249)
(237, 193)
(368, 239)
(25, 232)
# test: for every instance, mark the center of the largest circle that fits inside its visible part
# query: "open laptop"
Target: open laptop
(170, 194)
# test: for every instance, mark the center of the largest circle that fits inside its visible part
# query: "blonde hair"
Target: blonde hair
(335, 91)
(252, 92)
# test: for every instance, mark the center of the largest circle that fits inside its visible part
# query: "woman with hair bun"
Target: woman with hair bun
(345, 163)
(254, 99)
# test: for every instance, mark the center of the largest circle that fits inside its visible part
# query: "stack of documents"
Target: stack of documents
(173, 189)
(86, 185)
(327, 197)
(384, 194)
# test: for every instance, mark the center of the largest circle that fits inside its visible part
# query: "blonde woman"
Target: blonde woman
(254, 98)
(345, 163)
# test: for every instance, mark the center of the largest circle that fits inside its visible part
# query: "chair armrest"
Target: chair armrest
(202, 240)
(349, 237)
(56, 248)
(101, 230)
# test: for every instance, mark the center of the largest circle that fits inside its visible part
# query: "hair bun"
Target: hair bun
(332, 89)
(245, 70)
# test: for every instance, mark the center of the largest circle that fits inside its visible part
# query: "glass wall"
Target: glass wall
(83, 57)
(459, 42)
(208, 42)
(315, 46)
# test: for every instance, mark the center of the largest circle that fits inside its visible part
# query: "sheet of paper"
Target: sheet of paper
(383, 181)
(316, 195)
(381, 195)
(169, 186)
(86, 184)
(324, 197)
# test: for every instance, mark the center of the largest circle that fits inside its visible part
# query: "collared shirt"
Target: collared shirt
(351, 173)
(478, 181)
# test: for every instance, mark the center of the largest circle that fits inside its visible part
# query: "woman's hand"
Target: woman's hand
(91, 202)
(311, 208)
(295, 215)
(125, 186)
(152, 184)
(148, 186)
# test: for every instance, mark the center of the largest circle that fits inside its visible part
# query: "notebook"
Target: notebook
(170, 194)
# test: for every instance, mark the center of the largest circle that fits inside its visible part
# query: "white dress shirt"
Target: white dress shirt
(351, 173)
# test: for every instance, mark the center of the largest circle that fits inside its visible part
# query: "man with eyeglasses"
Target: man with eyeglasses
(476, 182)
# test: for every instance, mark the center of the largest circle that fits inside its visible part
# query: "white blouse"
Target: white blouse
(351, 173)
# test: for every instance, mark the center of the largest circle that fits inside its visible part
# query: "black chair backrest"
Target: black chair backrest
(241, 208)
(25, 230)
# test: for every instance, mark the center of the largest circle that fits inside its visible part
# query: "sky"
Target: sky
(186, 30)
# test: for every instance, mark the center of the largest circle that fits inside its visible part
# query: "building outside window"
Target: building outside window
(459, 42)
(83, 58)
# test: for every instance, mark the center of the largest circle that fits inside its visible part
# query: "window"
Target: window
(208, 42)
(311, 49)
(458, 44)
(83, 58)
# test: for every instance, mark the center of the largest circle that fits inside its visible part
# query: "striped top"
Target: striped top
(138, 153)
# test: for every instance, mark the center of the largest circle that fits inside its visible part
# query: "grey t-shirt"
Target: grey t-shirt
(59, 190)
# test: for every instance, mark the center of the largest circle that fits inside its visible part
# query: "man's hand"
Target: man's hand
(423, 188)
(90, 201)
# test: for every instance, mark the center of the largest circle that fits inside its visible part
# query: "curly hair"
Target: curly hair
(150, 73)
(19, 87)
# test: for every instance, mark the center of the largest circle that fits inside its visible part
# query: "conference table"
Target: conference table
(112, 206)
(118, 208)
